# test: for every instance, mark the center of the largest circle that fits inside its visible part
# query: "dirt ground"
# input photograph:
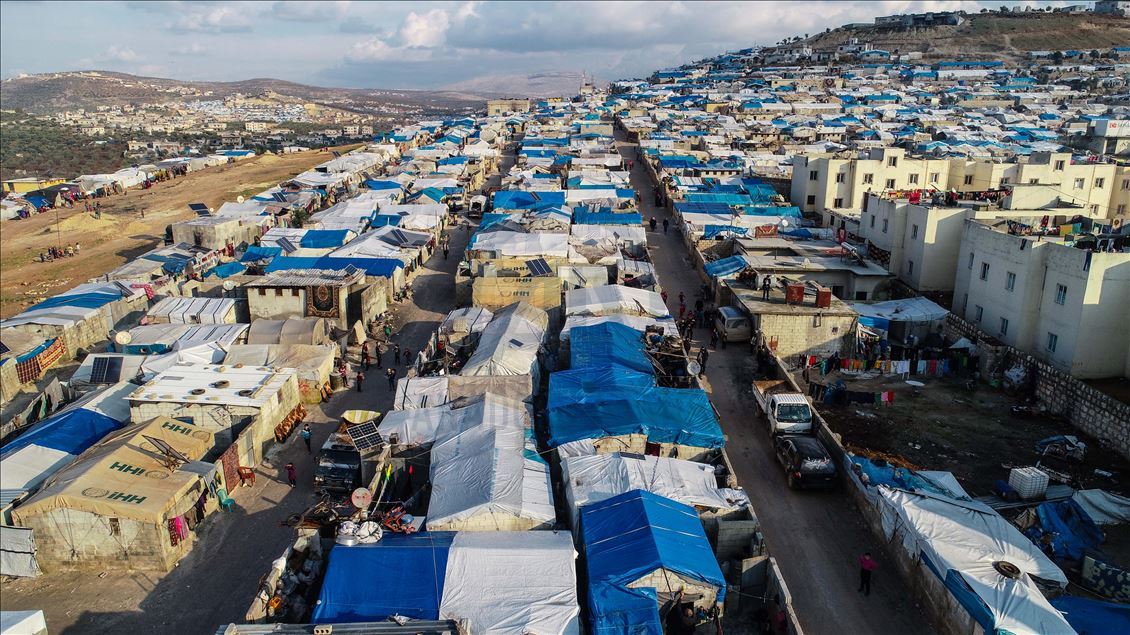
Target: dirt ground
(131, 224)
(946, 427)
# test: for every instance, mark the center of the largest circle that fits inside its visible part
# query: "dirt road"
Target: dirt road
(815, 536)
(131, 224)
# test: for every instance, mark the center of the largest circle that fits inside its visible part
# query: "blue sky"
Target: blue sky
(405, 44)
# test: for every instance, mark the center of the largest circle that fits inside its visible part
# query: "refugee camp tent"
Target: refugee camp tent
(461, 323)
(178, 310)
(157, 339)
(614, 299)
(510, 344)
(637, 322)
(413, 569)
(593, 478)
(290, 331)
(512, 583)
(641, 549)
(128, 480)
(961, 542)
(110, 368)
(608, 344)
(1093, 617)
(514, 244)
(313, 362)
(423, 392)
(54, 442)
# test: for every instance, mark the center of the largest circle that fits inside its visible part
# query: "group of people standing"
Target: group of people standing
(55, 253)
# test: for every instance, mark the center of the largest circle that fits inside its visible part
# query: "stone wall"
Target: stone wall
(1088, 409)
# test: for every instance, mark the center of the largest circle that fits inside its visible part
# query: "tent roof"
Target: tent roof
(608, 344)
(509, 345)
(665, 415)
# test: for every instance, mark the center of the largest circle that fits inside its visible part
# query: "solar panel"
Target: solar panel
(200, 208)
(337, 154)
(279, 196)
(106, 370)
(166, 449)
(4, 348)
(287, 246)
(539, 267)
(399, 237)
(365, 435)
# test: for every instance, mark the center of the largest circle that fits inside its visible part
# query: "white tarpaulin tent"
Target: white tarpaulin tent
(967, 538)
(593, 478)
(1103, 507)
(424, 216)
(424, 392)
(512, 583)
(422, 426)
(509, 345)
(177, 310)
(905, 310)
(638, 322)
(518, 244)
(614, 299)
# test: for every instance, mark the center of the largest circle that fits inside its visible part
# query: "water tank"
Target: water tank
(794, 293)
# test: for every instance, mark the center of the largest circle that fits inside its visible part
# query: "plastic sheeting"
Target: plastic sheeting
(905, 310)
(178, 310)
(509, 345)
(1103, 507)
(665, 415)
(637, 322)
(960, 540)
(590, 479)
(725, 266)
(608, 344)
(571, 386)
(1072, 530)
(512, 583)
(425, 392)
(615, 299)
(403, 574)
(626, 537)
(1094, 617)
(508, 243)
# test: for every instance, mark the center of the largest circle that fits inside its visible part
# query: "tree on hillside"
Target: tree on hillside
(1095, 55)
(1057, 57)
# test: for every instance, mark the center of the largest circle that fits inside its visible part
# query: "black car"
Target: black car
(807, 463)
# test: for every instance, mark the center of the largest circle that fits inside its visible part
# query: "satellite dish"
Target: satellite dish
(694, 368)
(784, 222)
(122, 337)
(361, 498)
(239, 199)
(228, 285)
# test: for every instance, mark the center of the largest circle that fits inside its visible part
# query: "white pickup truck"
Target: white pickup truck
(787, 412)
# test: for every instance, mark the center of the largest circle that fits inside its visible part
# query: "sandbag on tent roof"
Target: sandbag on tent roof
(961, 541)
(56, 441)
(512, 583)
(630, 536)
(606, 345)
(412, 570)
(509, 345)
(665, 415)
(593, 478)
(614, 299)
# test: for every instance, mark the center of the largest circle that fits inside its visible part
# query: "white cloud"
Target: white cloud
(310, 11)
(427, 30)
(119, 54)
(212, 19)
(192, 48)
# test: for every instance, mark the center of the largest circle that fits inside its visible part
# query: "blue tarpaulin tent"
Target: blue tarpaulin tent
(725, 266)
(627, 537)
(382, 185)
(710, 231)
(608, 344)
(520, 199)
(226, 270)
(1094, 617)
(666, 415)
(89, 300)
(323, 238)
(71, 431)
(569, 386)
(259, 252)
(1072, 530)
(606, 218)
(403, 574)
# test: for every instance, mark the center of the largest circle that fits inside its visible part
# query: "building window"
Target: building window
(1122, 208)
(964, 302)
(984, 271)
(1095, 208)
(1004, 326)
(885, 222)
(838, 202)
(1059, 165)
(1004, 180)
(840, 176)
(968, 179)
(1053, 340)
(1010, 281)
(1126, 184)
(913, 179)
(278, 293)
(811, 199)
(262, 291)
(860, 295)
(935, 176)
(1060, 294)
(890, 184)
(813, 175)
(978, 312)
(971, 260)
(868, 179)
(294, 293)
(872, 221)
(1079, 183)
(914, 231)
(892, 161)
(1099, 183)
(910, 267)
(1033, 181)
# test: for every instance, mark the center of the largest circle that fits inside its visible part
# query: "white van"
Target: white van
(733, 325)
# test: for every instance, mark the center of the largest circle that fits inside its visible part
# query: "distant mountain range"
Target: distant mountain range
(54, 92)
(550, 84)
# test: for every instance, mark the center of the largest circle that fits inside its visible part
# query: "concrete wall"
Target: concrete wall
(279, 303)
(801, 334)
(72, 539)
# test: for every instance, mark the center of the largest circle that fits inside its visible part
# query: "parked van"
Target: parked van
(733, 325)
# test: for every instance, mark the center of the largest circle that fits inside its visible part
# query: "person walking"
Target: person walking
(388, 332)
(377, 353)
(366, 361)
(666, 224)
(682, 309)
(344, 372)
(291, 474)
(867, 566)
(407, 356)
(306, 433)
(663, 294)
(360, 378)
(652, 223)
(682, 298)
(391, 374)
(396, 352)
(714, 339)
(703, 356)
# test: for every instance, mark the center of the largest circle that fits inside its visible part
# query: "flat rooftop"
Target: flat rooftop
(751, 300)
(214, 384)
